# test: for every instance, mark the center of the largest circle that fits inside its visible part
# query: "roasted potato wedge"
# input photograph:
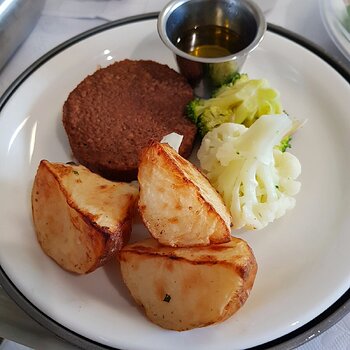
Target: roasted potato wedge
(177, 203)
(81, 219)
(184, 288)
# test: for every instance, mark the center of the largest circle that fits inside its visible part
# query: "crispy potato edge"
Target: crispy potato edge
(248, 274)
(245, 273)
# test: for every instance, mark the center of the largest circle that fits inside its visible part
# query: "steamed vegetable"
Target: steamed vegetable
(255, 178)
(241, 101)
(285, 143)
(223, 73)
(207, 118)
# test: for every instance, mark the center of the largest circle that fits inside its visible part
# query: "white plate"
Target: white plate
(333, 13)
(303, 257)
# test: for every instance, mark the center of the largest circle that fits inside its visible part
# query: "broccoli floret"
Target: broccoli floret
(192, 110)
(211, 118)
(206, 116)
(285, 143)
(238, 77)
(230, 82)
(241, 101)
(222, 73)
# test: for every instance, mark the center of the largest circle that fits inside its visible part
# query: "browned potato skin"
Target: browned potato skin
(77, 239)
(177, 203)
(206, 285)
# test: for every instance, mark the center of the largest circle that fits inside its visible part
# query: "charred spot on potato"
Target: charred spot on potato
(217, 247)
(142, 207)
(174, 257)
(178, 206)
(167, 299)
(160, 189)
(208, 258)
(173, 220)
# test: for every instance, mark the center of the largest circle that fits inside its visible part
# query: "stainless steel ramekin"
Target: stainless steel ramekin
(241, 16)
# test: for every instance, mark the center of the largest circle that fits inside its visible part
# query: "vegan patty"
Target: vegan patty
(113, 113)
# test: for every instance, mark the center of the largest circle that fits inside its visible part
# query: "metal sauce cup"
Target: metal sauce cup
(205, 74)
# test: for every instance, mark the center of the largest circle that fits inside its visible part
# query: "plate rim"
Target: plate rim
(301, 335)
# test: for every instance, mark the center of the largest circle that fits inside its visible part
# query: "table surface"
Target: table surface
(62, 19)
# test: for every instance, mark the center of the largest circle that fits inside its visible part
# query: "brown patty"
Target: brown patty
(112, 114)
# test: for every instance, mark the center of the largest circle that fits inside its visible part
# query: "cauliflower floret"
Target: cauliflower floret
(256, 180)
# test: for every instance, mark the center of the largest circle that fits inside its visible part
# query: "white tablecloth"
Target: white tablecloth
(62, 19)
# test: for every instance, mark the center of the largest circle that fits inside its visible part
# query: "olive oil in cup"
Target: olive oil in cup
(211, 39)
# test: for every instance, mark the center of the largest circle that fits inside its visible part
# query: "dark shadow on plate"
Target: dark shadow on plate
(63, 138)
(113, 273)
